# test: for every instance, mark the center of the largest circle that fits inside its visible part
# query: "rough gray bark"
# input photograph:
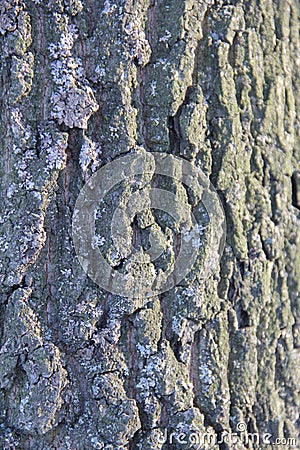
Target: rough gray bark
(82, 82)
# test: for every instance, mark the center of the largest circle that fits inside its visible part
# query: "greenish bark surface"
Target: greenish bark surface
(217, 83)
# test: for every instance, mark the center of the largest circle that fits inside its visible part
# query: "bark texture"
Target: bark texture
(217, 83)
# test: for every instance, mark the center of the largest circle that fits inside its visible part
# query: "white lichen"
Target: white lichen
(98, 241)
(166, 37)
(109, 7)
(153, 88)
(55, 151)
(89, 155)
(74, 101)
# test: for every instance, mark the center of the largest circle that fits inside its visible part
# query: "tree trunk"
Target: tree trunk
(215, 83)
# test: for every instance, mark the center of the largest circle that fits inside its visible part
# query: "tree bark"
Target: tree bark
(217, 84)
